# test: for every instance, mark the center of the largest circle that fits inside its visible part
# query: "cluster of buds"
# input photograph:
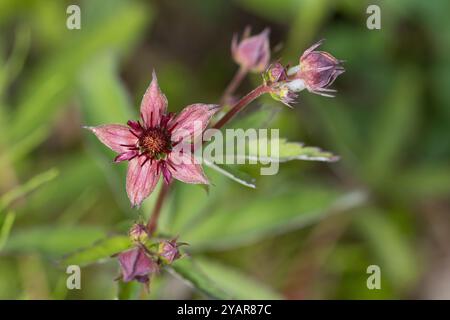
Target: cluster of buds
(146, 257)
(315, 72)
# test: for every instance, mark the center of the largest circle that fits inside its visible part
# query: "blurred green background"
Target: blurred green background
(309, 232)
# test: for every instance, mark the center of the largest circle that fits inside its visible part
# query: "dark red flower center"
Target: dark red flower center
(155, 142)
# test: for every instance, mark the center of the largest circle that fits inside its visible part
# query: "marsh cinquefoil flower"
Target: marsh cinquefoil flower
(252, 53)
(160, 144)
(315, 72)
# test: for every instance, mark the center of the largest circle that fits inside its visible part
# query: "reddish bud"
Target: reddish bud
(318, 70)
(168, 250)
(275, 73)
(137, 265)
(252, 53)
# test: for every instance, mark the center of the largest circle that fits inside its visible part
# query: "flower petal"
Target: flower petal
(153, 105)
(128, 155)
(183, 168)
(192, 121)
(114, 136)
(142, 177)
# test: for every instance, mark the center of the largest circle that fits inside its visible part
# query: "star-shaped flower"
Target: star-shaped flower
(160, 143)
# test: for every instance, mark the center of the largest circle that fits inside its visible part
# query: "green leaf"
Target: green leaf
(111, 31)
(30, 185)
(6, 228)
(249, 220)
(103, 96)
(425, 181)
(77, 173)
(104, 100)
(99, 251)
(187, 269)
(235, 175)
(393, 127)
(23, 147)
(13, 66)
(291, 151)
(267, 150)
(51, 240)
(396, 255)
(237, 284)
(308, 19)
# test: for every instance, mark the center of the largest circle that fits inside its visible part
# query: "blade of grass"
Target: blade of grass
(6, 228)
(27, 187)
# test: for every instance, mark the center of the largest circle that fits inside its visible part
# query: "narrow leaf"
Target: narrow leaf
(236, 283)
(6, 228)
(30, 185)
(99, 251)
(249, 220)
(187, 270)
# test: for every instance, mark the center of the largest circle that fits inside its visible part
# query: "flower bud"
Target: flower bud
(137, 265)
(318, 70)
(168, 250)
(138, 233)
(275, 73)
(252, 53)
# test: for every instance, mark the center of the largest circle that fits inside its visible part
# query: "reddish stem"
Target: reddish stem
(153, 220)
(233, 85)
(252, 95)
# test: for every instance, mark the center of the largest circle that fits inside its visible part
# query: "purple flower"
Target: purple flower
(137, 265)
(168, 250)
(252, 53)
(318, 70)
(149, 146)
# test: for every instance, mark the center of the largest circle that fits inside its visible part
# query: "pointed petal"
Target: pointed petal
(312, 48)
(183, 168)
(126, 155)
(192, 121)
(114, 136)
(142, 177)
(167, 175)
(154, 104)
